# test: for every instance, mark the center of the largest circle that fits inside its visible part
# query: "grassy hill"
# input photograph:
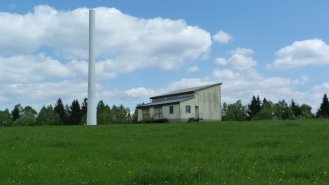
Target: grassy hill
(264, 152)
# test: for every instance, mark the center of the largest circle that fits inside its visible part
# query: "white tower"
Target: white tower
(92, 107)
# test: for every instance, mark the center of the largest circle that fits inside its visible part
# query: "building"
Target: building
(196, 103)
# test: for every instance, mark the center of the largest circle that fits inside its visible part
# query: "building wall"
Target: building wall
(184, 116)
(208, 102)
(174, 116)
(140, 114)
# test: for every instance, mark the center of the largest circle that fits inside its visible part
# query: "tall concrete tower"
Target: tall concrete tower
(92, 107)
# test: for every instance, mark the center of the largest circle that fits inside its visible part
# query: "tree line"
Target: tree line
(264, 109)
(76, 114)
(60, 114)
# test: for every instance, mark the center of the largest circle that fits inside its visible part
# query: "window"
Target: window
(158, 113)
(188, 109)
(146, 113)
(171, 110)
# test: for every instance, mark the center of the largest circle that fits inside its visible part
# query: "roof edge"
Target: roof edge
(185, 92)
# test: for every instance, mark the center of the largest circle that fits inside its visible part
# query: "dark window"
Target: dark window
(188, 109)
(146, 113)
(171, 109)
(158, 113)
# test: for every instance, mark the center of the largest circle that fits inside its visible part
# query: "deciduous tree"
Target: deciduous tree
(5, 118)
(235, 112)
(47, 116)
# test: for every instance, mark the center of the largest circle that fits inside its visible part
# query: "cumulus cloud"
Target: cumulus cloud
(222, 37)
(240, 59)
(302, 53)
(225, 74)
(126, 40)
(41, 93)
(192, 69)
(31, 68)
(43, 53)
(221, 61)
(140, 92)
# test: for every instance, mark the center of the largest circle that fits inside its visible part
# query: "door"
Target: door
(196, 113)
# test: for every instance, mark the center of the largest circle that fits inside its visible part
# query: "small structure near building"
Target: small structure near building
(196, 103)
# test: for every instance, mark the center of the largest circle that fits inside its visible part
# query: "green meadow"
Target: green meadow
(262, 152)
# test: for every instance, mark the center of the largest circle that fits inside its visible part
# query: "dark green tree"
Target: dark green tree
(264, 101)
(27, 117)
(29, 111)
(283, 111)
(266, 113)
(16, 112)
(235, 112)
(306, 111)
(104, 115)
(48, 116)
(296, 109)
(224, 110)
(60, 110)
(134, 117)
(254, 107)
(120, 114)
(75, 113)
(5, 119)
(24, 121)
(84, 107)
(323, 111)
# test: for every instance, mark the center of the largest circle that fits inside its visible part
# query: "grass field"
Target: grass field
(267, 152)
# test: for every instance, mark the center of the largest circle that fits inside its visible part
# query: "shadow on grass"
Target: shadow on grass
(317, 173)
(62, 144)
(156, 176)
(270, 143)
(283, 159)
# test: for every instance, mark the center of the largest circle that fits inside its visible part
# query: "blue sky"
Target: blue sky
(275, 49)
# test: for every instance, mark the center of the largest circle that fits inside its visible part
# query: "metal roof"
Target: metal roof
(166, 102)
(184, 91)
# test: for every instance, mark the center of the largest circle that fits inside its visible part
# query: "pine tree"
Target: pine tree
(84, 107)
(254, 107)
(60, 110)
(75, 113)
(323, 111)
(264, 101)
(15, 114)
(295, 108)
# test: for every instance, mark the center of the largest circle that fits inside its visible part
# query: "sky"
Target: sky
(276, 49)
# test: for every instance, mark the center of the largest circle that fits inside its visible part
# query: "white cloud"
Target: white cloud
(187, 83)
(43, 53)
(226, 74)
(222, 37)
(302, 53)
(192, 69)
(41, 93)
(140, 92)
(240, 59)
(221, 61)
(129, 42)
(29, 68)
